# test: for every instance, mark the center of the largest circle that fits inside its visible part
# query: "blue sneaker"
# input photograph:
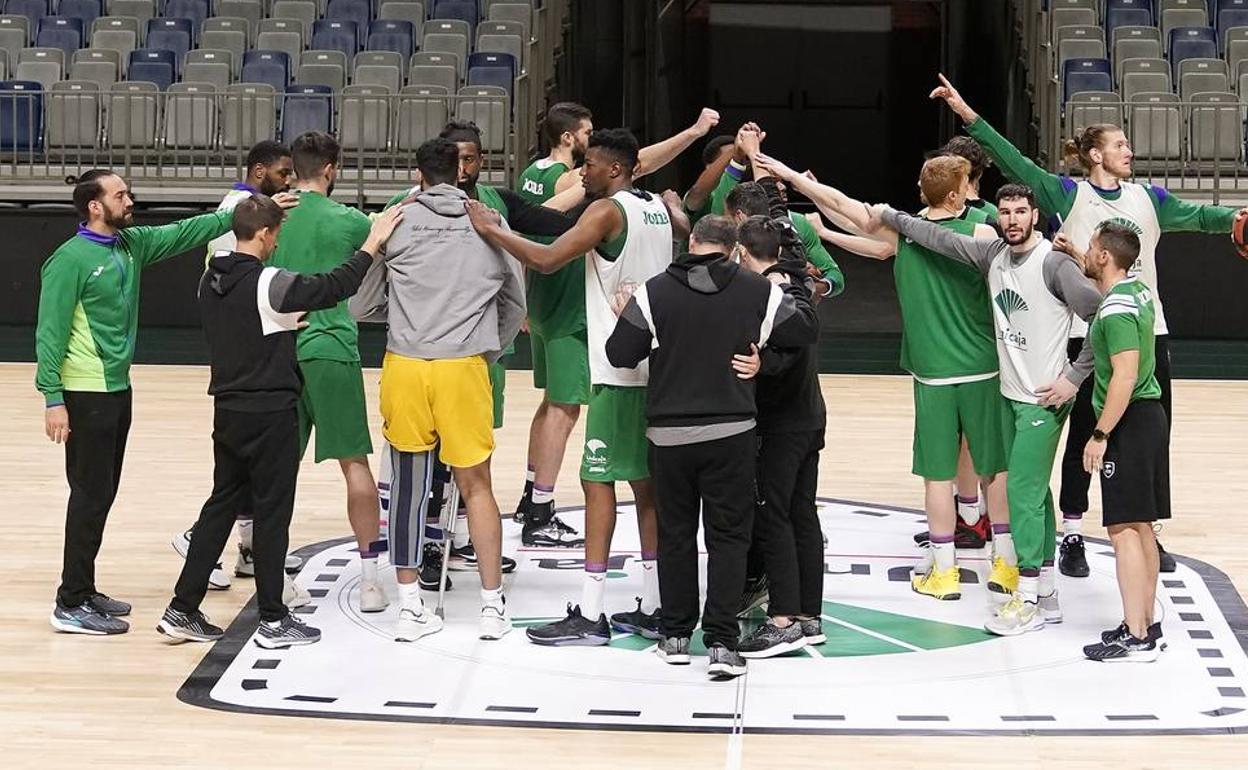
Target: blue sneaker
(84, 619)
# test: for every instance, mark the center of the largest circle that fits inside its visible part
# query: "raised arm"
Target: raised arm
(1177, 215)
(974, 251)
(655, 156)
(698, 198)
(601, 220)
(293, 292)
(845, 212)
(531, 219)
(152, 244)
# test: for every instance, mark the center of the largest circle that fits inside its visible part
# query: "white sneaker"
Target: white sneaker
(218, 579)
(1015, 617)
(413, 625)
(495, 622)
(292, 595)
(1050, 610)
(372, 597)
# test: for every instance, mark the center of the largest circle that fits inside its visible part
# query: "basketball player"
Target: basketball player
(627, 237)
(1036, 292)
(84, 345)
(557, 314)
(966, 147)
(1080, 206)
(318, 236)
(948, 345)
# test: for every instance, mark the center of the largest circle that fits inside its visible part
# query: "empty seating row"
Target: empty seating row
(1210, 128)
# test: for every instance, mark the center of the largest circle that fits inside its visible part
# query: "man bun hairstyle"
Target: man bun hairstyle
(619, 143)
(87, 188)
(1090, 138)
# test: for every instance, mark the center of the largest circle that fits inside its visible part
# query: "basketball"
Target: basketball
(1238, 236)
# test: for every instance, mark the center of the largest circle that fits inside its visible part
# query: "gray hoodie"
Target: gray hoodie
(451, 294)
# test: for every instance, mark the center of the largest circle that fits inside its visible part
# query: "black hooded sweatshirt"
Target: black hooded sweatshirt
(690, 320)
(248, 310)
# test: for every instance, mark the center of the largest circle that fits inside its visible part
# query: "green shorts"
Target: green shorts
(561, 367)
(943, 414)
(333, 402)
(615, 435)
(498, 384)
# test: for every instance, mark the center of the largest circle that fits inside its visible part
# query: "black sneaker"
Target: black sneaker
(1124, 649)
(575, 630)
(525, 505)
(754, 595)
(1073, 561)
(188, 626)
(1167, 561)
(431, 568)
(108, 606)
(770, 640)
(673, 650)
(465, 560)
(1114, 633)
(724, 663)
(543, 529)
(1153, 633)
(284, 633)
(812, 629)
(638, 622)
(84, 619)
(965, 536)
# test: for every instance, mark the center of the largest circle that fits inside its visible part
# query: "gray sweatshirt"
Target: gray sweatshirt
(451, 294)
(1062, 275)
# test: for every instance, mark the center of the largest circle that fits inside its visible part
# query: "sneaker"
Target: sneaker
(84, 619)
(965, 536)
(755, 595)
(495, 622)
(431, 568)
(1124, 649)
(543, 529)
(1015, 617)
(372, 597)
(944, 585)
(218, 580)
(188, 626)
(413, 625)
(1153, 633)
(1003, 580)
(287, 632)
(1050, 609)
(1073, 561)
(724, 663)
(108, 606)
(523, 508)
(245, 564)
(465, 560)
(770, 640)
(292, 595)
(812, 629)
(1167, 561)
(575, 630)
(673, 650)
(638, 622)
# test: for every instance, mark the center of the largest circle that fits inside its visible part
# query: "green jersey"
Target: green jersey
(985, 210)
(1125, 322)
(556, 301)
(318, 235)
(946, 315)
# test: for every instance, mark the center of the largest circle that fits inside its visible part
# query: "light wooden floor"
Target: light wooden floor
(70, 700)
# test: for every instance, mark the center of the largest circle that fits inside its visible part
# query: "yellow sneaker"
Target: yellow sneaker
(1003, 581)
(945, 585)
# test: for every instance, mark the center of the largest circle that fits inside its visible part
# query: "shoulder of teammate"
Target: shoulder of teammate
(1067, 282)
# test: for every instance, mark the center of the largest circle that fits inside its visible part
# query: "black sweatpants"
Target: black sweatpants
(256, 463)
(99, 424)
(718, 477)
(786, 522)
(1073, 497)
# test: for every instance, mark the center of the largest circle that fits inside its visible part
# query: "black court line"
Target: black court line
(255, 684)
(1220, 673)
(1192, 617)
(407, 704)
(512, 709)
(1184, 600)
(613, 713)
(1206, 652)
(1029, 718)
(876, 514)
(197, 689)
(819, 717)
(318, 593)
(1174, 584)
(311, 699)
(327, 577)
(921, 718)
(1131, 717)
(265, 663)
(337, 562)
(306, 609)
(1199, 634)
(1222, 712)
(714, 715)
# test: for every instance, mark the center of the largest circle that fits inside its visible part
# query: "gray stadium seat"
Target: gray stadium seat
(99, 66)
(1080, 47)
(191, 116)
(1202, 76)
(132, 115)
(322, 68)
(215, 73)
(1239, 73)
(1071, 17)
(1088, 108)
(365, 120)
(405, 11)
(73, 115)
(440, 59)
(378, 68)
(446, 42)
(441, 75)
(509, 44)
(211, 56)
(250, 10)
(487, 107)
(1183, 17)
(422, 114)
(249, 115)
(1134, 48)
(286, 25)
(119, 40)
(303, 10)
(118, 24)
(232, 40)
(42, 65)
(1236, 51)
(1134, 33)
(1144, 76)
(140, 10)
(523, 13)
(14, 36)
(1156, 127)
(1217, 127)
(291, 42)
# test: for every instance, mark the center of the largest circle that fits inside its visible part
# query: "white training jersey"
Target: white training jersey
(647, 252)
(228, 242)
(1133, 208)
(1032, 325)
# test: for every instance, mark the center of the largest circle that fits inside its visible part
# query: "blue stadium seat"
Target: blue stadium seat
(171, 39)
(1128, 16)
(1191, 43)
(456, 9)
(21, 116)
(335, 35)
(494, 59)
(1231, 13)
(358, 11)
(195, 10)
(492, 69)
(34, 10)
(152, 66)
(1085, 75)
(308, 108)
(60, 32)
(391, 35)
(271, 67)
(86, 10)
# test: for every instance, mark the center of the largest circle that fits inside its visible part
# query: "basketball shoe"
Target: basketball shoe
(945, 585)
(1003, 580)
(1016, 616)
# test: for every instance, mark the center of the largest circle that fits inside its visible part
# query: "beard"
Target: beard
(120, 221)
(469, 184)
(1014, 241)
(578, 156)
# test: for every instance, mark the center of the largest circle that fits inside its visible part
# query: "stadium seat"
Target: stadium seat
(1217, 127)
(391, 35)
(1071, 17)
(441, 75)
(1085, 75)
(1134, 48)
(229, 37)
(1175, 18)
(322, 68)
(132, 111)
(1191, 43)
(1155, 126)
(450, 27)
(249, 115)
(123, 41)
(290, 41)
(1139, 15)
(357, 11)
(14, 36)
(463, 10)
(1231, 14)
(365, 120)
(99, 66)
(405, 11)
(307, 108)
(60, 32)
(44, 66)
(277, 24)
(1236, 47)
(21, 116)
(269, 67)
(152, 65)
(378, 68)
(140, 10)
(1202, 76)
(1078, 43)
(86, 11)
(454, 44)
(1088, 108)
(172, 35)
(195, 10)
(303, 10)
(207, 66)
(508, 44)
(1144, 76)
(1240, 75)
(422, 113)
(487, 107)
(191, 116)
(251, 10)
(492, 69)
(33, 10)
(1146, 32)
(523, 13)
(74, 115)
(337, 35)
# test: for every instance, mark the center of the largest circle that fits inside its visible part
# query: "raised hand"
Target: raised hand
(707, 120)
(775, 167)
(954, 99)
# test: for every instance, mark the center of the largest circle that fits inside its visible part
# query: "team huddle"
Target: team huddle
(687, 328)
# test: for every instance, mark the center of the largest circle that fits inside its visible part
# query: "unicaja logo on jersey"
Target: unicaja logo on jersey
(595, 457)
(1009, 301)
(1127, 223)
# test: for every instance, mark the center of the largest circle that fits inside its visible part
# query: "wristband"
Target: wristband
(735, 170)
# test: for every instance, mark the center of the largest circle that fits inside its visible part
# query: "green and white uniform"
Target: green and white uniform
(615, 428)
(1125, 321)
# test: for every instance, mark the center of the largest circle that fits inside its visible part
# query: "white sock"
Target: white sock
(542, 495)
(244, 532)
(492, 597)
(650, 586)
(1003, 546)
(460, 538)
(1029, 587)
(943, 555)
(409, 597)
(530, 474)
(368, 569)
(1072, 527)
(593, 594)
(969, 512)
(1048, 581)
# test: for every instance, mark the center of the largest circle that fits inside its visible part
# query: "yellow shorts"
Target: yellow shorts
(448, 402)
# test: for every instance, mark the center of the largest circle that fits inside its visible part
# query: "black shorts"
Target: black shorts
(1135, 480)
